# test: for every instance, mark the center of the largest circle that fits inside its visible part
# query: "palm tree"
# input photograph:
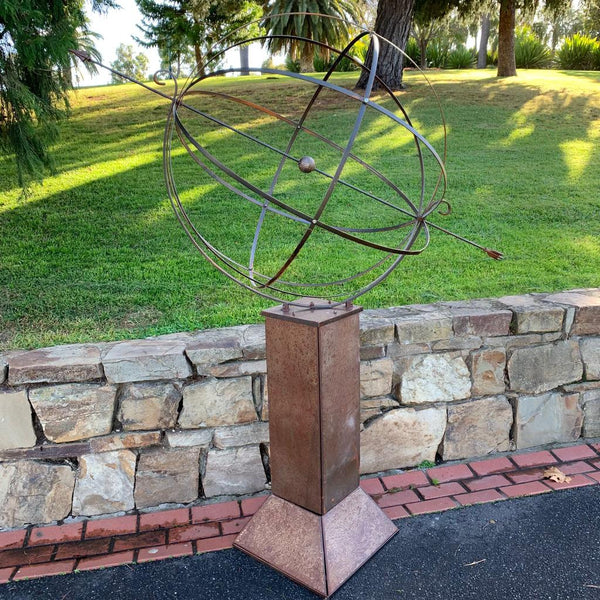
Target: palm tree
(330, 31)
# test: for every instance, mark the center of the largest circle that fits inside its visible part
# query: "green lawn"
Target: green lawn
(95, 253)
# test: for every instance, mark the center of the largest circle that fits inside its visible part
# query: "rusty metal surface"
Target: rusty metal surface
(320, 552)
(353, 532)
(289, 539)
(294, 428)
(304, 311)
(339, 380)
(314, 406)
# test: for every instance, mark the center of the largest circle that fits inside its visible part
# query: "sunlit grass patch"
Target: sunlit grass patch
(95, 253)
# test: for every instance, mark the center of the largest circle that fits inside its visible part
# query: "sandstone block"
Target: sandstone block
(185, 439)
(591, 413)
(123, 441)
(242, 435)
(532, 316)
(372, 407)
(3, 369)
(587, 310)
(144, 406)
(234, 471)
(543, 368)
(376, 377)
(510, 342)
(253, 342)
(216, 402)
(401, 438)
(214, 346)
(34, 492)
(60, 364)
(590, 352)
(547, 419)
(104, 483)
(165, 476)
(435, 378)
(424, 327)
(478, 428)
(397, 351)
(238, 369)
(487, 368)
(145, 360)
(16, 423)
(74, 411)
(264, 409)
(479, 319)
(372, 352)
(471, 342)
(392, 312)
(375, 330)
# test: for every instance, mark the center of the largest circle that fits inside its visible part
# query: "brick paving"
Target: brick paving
(94, 544)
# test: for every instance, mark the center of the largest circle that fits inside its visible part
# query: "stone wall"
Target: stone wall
(99, 429)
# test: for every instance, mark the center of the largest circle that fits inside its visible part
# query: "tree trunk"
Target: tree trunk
(423, 42)
(483, 42)
(393, 23)
(244, 60)
(199, 60)
(507, 66)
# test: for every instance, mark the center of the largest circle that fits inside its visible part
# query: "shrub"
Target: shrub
(461, 58)
(530, 51)
(578, 52)
(596, 59)
(412, 51)
(492, 58)
(437, 54)
(320, 64)
(292, 65)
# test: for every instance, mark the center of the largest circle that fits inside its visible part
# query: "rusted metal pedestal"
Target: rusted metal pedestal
(318, 527)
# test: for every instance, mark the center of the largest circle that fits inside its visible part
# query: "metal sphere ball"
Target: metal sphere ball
(307, 164)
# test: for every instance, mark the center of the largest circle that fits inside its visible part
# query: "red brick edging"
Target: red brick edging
(58, 549)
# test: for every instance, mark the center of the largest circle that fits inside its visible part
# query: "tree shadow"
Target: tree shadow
(102, 257)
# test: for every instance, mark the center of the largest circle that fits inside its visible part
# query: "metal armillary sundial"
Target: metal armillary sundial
(305, 211)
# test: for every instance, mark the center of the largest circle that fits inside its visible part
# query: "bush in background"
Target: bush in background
(579, 52)
(437, 54)
(412, 51)
(461, 58)
(530, 51)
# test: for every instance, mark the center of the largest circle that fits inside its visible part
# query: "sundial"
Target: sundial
(303, 212)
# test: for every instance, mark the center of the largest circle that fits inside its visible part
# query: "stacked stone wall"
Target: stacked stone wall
(100, 429)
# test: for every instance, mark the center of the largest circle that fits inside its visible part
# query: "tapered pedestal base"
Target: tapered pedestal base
(318, 551)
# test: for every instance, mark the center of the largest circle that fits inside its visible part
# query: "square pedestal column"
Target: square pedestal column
(318, 527)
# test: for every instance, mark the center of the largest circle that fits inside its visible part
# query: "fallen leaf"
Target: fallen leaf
(475, 563)
(555, 474)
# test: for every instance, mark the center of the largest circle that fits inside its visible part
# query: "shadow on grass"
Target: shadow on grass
(104, 258)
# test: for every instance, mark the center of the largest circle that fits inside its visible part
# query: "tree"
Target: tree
(484, 31)
(135, 67)
(507, 66)
(424, 31)
(591, 18)
(174, 26)
(35, 76)
(506, 30)
(329, 31)
(393, 23)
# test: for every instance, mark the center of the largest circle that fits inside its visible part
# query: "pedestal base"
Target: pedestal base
(318, 551)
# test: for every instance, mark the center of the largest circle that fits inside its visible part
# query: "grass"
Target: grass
(95, 253)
